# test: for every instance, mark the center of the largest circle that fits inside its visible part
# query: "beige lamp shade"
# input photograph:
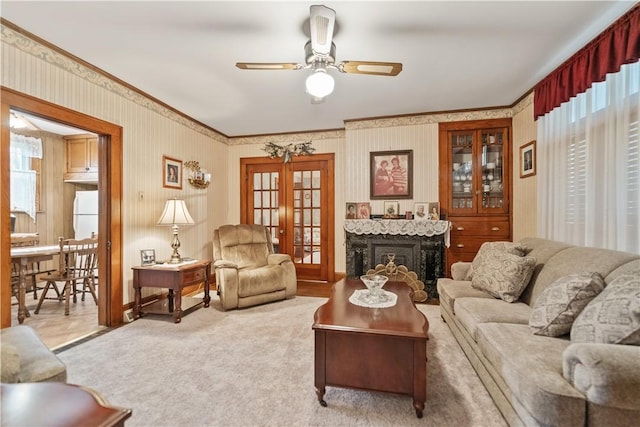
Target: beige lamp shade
(175, 213)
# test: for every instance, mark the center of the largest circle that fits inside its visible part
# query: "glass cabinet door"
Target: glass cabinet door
(491, 185)
(477, 171)
(462, 178)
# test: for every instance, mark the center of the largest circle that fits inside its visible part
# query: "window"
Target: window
(25, 153)
(589, 160)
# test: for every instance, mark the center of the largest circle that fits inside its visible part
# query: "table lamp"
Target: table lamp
(175, 213)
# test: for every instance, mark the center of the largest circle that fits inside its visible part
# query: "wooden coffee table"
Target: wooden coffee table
(378, 349)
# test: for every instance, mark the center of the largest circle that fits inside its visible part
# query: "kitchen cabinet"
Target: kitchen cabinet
(81, 158)
(475, 184)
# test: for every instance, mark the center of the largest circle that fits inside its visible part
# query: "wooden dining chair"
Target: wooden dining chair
(33, 269)
(78, 262)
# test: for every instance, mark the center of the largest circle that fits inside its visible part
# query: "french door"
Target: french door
(295, 200)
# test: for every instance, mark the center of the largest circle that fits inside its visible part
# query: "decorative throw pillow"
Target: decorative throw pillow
(558, 306)
(502, 274)
(514, 248)
(613, 317)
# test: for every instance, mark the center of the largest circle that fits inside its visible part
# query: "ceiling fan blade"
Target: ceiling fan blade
(369, 67)
(321, 24)
(268, 66)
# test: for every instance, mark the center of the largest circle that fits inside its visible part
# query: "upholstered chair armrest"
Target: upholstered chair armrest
(276, 259)
(10, 363)
(224, 264)
(459, 270)
(608, 374)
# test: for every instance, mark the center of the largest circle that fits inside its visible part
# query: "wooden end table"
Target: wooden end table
(173, 277)
(378, 349)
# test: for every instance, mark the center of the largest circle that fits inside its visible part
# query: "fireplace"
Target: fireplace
(418, 245)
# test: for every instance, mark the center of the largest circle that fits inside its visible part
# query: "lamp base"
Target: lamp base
(175, 244)
(175, 258)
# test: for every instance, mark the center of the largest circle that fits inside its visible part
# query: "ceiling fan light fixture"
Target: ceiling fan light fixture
(319, 83)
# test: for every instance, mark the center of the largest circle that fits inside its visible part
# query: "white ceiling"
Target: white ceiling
(456, 55)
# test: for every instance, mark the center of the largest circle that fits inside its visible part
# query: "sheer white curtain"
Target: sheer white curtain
(589, 166)
(23, 179)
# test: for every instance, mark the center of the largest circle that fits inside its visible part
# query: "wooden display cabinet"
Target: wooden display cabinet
(475, 184)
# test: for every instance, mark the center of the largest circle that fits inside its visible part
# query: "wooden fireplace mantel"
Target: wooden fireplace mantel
(406, 227)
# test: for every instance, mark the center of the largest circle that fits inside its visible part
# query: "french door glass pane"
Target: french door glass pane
(265, 203)
(306, 217)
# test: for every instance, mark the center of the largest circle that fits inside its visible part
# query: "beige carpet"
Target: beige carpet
(254, 367)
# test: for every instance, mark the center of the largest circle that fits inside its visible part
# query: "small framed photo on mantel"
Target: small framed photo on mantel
(421, 211)
(364, 210)
(391, 210)
(351, 210)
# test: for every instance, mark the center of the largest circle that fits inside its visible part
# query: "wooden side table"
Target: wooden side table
(173, 277)
(57, 404)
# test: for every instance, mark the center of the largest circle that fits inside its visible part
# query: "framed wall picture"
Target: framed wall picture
(391, 210)
(528, 159)
(148, 256)
(364, 210)
(171, 173)
(421, 211)
(351, 210)
(391, 175)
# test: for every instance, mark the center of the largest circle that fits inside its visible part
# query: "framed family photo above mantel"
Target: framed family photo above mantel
(528, 159)
(171, 173)
(391, 175)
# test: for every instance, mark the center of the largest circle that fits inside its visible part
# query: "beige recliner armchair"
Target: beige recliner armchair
(247, 271)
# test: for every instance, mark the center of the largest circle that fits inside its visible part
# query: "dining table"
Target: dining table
(23, 256)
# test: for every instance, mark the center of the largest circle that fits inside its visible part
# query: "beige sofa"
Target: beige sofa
(247, 270)
(542, 380)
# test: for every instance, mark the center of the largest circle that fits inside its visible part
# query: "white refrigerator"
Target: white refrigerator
(85, 214)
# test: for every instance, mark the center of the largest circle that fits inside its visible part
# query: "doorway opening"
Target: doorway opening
(110, 308)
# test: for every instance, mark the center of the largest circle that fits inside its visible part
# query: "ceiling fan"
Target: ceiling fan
(320, 54)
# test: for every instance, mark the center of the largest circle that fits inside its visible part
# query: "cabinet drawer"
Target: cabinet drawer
(491, 229)
(463, 244)
(193, 275)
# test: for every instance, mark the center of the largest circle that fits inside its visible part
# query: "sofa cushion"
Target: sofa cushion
(542, 250)
(502, 274)
(613, 317)
(246, 245)
(576, 260)
(558, 306)
(531, 366)
(471, 312)
(514, 248)
(450, 291)
(261, 280)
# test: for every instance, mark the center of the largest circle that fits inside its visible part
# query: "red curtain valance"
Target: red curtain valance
(617, 45)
